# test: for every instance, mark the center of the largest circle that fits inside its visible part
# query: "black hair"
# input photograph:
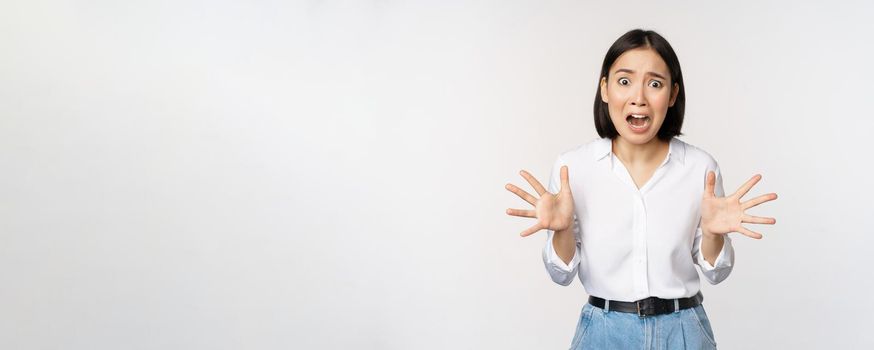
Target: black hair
(638, 38)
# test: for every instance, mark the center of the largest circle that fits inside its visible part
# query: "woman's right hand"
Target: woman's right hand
(552, 211)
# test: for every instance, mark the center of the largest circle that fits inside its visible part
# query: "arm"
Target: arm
(562, 269)
(718, 268)
(554, 211)
(713, 253)
(561, 255)
(711, 246)
(721, 215)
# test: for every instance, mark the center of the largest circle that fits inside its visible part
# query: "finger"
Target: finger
(565, 182)
(531, 230)
(522, 213)
(534, 183)
(742, 191)
(521, 193)
(709, 185)
(758, 200)
(749, 233)
(758, 220)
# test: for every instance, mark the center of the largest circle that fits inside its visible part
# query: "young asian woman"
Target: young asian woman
(632, 212)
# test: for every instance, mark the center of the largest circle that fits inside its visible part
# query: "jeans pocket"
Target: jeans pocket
(704, 323)
(582, 325)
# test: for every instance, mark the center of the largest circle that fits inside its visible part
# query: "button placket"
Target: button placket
(639, 247)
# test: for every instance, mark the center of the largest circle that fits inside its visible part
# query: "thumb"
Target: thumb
(565, 182)
(709, 185)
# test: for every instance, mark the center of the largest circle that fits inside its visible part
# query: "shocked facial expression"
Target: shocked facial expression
(638, 91)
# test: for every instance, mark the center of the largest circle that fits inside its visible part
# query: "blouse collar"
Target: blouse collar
(676, 149)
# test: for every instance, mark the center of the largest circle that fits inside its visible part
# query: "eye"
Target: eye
(624, 81)
(655, 84)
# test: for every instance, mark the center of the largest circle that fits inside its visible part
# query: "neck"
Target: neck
(654, 150)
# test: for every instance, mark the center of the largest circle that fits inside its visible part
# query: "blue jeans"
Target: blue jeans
(684, 329)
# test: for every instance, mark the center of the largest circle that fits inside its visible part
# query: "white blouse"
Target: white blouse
(633, 244)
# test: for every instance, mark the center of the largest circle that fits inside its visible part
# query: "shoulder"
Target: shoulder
(696, 156)
(586, 152)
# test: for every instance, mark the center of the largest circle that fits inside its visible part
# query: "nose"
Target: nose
(638, 99)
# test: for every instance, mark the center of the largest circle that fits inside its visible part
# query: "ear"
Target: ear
(674, 92)
(604, 89)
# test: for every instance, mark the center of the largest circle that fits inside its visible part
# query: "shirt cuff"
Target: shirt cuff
(722, 260)
(555, 260)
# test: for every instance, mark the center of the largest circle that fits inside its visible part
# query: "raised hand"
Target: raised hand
(553, 211)
(721, 215)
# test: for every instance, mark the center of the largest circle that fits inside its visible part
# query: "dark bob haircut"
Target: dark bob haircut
(647, 39)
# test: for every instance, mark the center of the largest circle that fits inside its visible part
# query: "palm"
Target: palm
(552, 211)
(721, 215)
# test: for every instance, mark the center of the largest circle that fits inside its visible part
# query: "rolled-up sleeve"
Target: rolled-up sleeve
(560, 272)
(725, 260)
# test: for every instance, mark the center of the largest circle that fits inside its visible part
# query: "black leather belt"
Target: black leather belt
(650, 306)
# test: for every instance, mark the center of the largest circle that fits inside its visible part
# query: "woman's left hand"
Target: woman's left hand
(721, 215)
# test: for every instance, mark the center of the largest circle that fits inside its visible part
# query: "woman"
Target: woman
(631, 213)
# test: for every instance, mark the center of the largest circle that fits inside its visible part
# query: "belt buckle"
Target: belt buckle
(638, 309)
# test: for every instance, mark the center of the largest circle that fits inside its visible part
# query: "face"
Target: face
(638, 91)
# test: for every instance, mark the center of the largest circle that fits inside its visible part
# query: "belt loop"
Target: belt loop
(606, 305)
(676, 305)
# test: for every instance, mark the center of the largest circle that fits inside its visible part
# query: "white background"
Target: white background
(330, 175)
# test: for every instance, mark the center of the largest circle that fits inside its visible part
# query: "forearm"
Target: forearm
(565, 244)
(711, 245)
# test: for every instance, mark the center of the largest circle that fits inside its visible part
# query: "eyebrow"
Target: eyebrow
(629, 71)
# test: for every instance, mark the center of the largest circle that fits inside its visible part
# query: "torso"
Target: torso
(635, 244)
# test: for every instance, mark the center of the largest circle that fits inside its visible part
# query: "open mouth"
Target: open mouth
(638, 121)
